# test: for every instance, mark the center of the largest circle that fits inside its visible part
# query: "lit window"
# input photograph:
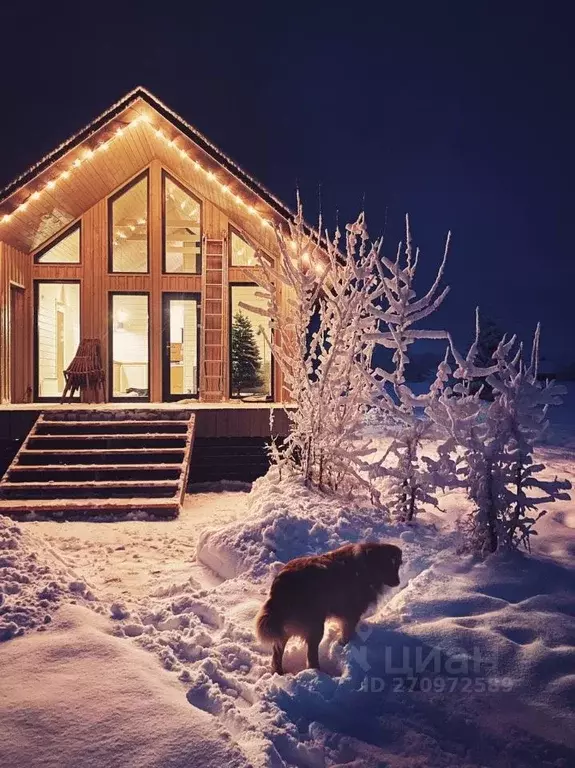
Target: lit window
(250, 350)
(182, 230)
(243, 255)
(65, 250)
(129, 228)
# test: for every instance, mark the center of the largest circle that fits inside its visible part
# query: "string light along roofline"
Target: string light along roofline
(89, 153)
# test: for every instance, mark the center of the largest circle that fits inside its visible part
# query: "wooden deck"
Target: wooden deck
(213, 420)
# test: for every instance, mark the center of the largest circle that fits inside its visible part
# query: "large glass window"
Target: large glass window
(182, 229)
(242, 254)
(130, 356)
(64, 250)
(129, 228)
(58, 334)
(250, 351)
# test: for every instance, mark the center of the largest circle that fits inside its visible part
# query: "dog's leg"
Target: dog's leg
(277, 657)
(348, 625)
(313, 640)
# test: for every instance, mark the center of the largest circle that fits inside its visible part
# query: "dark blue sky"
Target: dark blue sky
(461, 113)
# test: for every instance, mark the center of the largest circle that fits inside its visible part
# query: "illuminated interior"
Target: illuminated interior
(130, 345)
(66, 249)
(182, 232)
(58, 328)
(129, 221)
(243, 255)
(183, 347)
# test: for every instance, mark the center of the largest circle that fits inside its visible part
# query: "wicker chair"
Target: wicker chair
(85, 374)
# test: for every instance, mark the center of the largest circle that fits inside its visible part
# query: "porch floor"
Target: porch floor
(196, 406)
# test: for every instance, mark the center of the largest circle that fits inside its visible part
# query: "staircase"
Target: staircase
(101, 461)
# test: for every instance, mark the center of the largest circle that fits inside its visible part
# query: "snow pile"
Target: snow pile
(33, 582)
(80, 697)
(286, 520)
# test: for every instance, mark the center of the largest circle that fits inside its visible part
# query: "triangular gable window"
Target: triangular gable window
(64, 250)
(243, 255)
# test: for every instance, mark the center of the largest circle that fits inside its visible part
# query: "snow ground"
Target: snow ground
(467, 664)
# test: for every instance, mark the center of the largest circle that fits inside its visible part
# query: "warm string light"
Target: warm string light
(88, 154)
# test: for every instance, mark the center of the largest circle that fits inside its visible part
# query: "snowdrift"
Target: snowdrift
(33, 582)
(287, 520)
(79, 696)
(487, 642)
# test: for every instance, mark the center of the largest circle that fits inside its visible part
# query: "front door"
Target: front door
(180, 346)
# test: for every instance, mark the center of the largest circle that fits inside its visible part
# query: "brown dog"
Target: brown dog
(341, 584)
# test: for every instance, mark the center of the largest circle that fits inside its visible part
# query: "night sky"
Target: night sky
(460, 113)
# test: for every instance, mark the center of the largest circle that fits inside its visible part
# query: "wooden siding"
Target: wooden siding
(15, 269)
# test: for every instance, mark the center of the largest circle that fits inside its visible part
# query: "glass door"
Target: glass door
(57, 334)
(129, 359)
(180, 345)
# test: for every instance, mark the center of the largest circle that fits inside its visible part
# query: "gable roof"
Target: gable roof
(136, 105)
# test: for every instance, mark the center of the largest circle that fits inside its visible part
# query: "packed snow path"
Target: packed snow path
(130, 559)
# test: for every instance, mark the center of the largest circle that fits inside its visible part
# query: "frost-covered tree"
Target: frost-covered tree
(322, 340)
(415, 476)
(493, 443)
(340, 300)
(520, 407)
(490, 335)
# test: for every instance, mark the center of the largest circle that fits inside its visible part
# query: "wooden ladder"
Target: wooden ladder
(214, 280)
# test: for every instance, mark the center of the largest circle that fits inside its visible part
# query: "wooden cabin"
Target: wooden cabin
(134, 232)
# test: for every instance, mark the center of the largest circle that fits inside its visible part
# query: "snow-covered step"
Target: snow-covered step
(71, 507)
(105, 427)
(94, 462)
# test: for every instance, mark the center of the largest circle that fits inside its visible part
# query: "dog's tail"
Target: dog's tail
(269, 624)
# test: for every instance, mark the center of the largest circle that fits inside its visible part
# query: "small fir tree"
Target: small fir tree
(246, 359)
(490, 336)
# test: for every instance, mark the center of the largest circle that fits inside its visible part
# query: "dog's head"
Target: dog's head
(385, 561)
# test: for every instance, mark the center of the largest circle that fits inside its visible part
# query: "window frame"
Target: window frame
(165, 176)
(36, 346)
(270, 396)
(110, 351)
(111, 200)
(58, 239)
